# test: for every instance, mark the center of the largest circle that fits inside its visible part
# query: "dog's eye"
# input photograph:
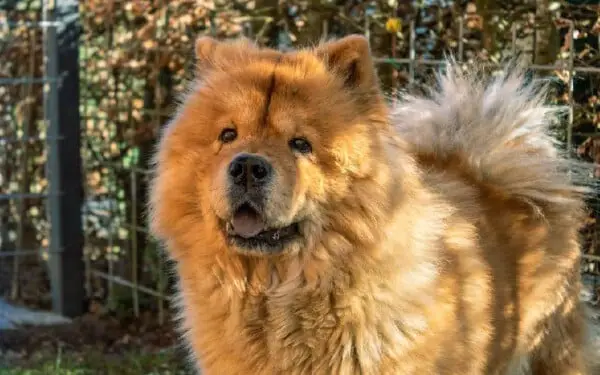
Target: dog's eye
(228, 135)
(300, 145)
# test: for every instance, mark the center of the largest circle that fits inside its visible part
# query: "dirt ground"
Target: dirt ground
(95, 344)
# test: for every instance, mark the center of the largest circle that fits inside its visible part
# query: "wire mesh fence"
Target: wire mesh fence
(132, 64)
(41, 173)
(23, 185)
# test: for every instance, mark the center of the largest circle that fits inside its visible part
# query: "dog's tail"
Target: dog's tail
(498, 130)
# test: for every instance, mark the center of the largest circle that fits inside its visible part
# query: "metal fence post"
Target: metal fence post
(461, 37)
(412, 55)
(61, 111)
(571, 88)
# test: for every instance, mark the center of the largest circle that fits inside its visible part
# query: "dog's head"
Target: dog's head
(266, 143)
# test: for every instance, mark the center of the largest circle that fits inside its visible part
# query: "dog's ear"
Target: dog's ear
(350, 59)
(212, 54)
(205, 49)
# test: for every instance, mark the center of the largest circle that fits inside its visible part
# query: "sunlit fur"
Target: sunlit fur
(440, 236)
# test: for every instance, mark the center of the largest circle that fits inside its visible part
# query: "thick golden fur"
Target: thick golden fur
(438, 236)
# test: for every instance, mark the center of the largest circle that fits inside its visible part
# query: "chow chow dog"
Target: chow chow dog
(318, 229)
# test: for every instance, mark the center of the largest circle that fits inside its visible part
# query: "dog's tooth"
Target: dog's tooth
(229, 227)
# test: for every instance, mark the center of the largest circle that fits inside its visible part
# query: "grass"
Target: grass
(131, 363)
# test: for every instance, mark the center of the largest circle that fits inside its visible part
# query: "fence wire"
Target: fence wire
(24, 228)
(40, 233)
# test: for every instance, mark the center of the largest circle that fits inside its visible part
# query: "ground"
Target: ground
(93, 345)
(103, 344)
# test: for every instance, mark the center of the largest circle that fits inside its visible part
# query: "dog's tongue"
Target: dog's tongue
(247, 224)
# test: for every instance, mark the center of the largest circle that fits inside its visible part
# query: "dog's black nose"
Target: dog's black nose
(250, 170)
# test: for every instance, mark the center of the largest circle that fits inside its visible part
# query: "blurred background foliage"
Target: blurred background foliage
(137, 57)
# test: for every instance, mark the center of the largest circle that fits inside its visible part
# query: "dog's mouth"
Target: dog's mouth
(248, 229)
